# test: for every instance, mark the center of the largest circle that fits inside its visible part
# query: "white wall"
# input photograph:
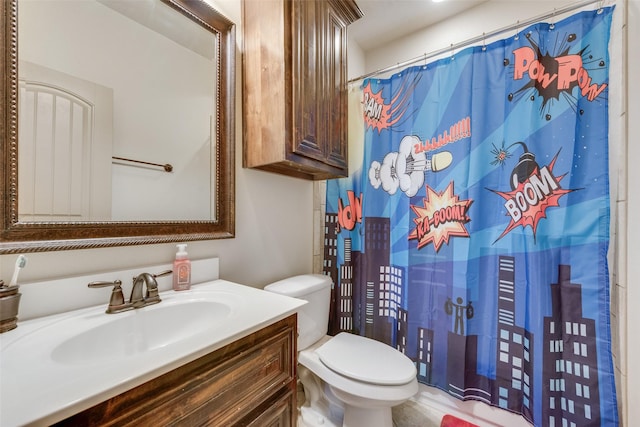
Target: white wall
(624, 126)
(274, 225)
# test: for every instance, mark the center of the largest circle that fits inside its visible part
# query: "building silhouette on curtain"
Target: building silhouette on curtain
(570, 365)
(514, 358)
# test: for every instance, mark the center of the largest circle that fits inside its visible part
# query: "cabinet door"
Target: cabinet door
(307, 87)
(334, 81)
(319, 60)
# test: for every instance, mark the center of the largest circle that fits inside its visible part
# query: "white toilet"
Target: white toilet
(348, 380)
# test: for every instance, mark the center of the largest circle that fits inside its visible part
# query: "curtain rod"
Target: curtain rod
(481, 38)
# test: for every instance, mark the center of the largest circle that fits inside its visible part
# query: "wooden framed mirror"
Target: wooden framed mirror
(24, 232)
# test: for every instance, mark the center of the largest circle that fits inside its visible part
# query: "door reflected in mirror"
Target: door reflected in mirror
(101, 79)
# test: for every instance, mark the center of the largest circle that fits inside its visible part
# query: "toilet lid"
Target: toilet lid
(366, 360)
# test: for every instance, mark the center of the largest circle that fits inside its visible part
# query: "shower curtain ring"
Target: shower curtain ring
(452, 54)
(553, 20)
(600, 6)
(517, 36)
(484, 42)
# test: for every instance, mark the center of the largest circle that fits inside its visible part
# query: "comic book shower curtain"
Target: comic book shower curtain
(474, 236)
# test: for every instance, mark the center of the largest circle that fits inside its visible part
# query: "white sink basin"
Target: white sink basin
(137, 331)
(55, 366)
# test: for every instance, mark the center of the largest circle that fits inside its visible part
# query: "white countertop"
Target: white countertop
(37, 390)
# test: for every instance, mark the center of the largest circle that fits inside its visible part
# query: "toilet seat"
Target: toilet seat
(389, 395)
(367, 360)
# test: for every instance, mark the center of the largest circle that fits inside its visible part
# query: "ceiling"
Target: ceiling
(387, 20)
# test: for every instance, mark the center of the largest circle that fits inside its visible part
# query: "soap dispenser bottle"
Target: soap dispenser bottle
(181, 270)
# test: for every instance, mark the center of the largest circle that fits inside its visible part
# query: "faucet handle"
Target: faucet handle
(164, 273)
(152, 295)
(116, 302)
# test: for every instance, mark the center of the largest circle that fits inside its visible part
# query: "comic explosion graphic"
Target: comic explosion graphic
(380, 116)
(442, 216)
(534, 190)
(554, 75)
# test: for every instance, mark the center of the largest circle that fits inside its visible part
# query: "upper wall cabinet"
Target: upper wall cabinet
(295, 86)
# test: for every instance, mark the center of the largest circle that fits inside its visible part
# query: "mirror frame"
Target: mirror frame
(19, 237)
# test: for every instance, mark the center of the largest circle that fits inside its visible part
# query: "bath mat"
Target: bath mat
(451, 421)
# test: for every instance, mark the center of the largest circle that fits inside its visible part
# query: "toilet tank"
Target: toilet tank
(313, 317)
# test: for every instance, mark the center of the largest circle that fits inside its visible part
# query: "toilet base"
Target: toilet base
(326, 406)
(370, 417)
(310, 417)
(362, 412)
(321, 408)
(353, 417)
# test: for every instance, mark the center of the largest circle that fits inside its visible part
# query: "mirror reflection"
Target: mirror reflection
(116, 112)
(107, 141)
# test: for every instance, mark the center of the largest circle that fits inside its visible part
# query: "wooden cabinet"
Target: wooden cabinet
(295, 86)
(250, 382)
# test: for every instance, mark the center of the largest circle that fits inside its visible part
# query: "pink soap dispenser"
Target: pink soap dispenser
(181, 270)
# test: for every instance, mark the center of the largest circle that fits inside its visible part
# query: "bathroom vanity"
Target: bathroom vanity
(218, 354)
(250, 382)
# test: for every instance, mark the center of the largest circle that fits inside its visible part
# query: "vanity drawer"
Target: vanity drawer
(274, 414)
(235, 385)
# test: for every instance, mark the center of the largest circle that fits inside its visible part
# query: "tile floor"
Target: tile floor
(409, 414)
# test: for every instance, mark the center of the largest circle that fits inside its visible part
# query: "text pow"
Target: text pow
(567, 72)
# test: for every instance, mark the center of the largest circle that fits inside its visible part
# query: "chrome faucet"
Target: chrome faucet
(137, 300)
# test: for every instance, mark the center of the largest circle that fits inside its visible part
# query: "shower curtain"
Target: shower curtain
(472, 234)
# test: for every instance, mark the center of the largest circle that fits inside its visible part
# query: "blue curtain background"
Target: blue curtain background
(474, 235)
